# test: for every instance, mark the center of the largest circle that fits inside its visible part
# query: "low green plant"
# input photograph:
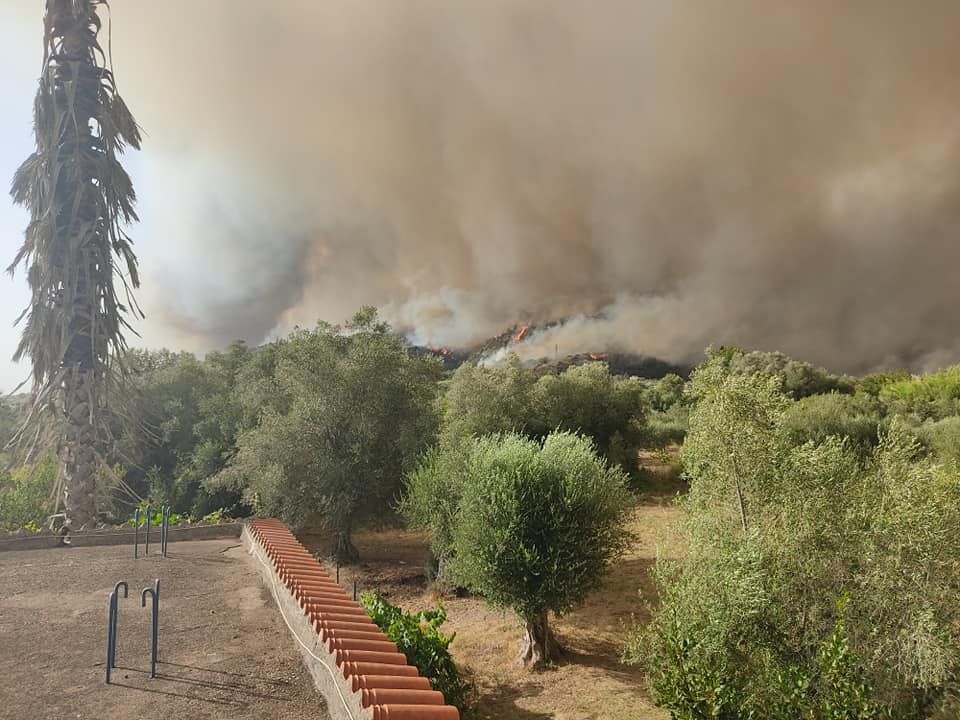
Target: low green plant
(156, 516)
(845, 693)
(216, 516)
(25, 494)
(418, 636)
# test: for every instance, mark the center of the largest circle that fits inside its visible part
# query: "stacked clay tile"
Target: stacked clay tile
(389, 687)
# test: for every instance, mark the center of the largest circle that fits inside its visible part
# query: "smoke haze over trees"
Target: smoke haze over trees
(767, 175)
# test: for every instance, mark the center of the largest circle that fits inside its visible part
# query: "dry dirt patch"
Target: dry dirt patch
(224, 649)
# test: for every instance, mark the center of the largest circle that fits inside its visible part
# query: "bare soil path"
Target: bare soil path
(224, 649)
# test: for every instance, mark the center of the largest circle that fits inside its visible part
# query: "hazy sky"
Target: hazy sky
(20, 60)
(660, 174)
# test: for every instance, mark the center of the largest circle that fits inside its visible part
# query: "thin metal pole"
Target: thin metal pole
(146, 544)
(166, 531)
(136, 533)
(354, 590)
(156, 627)
(163, 531)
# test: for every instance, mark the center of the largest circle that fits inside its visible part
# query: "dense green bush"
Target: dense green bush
(588, 400)
(817, 417)
(431, 500)
(667, 427)
(188, 421)
(25, 494)
(775, 531)
(537, 527)
(585, 399)
(418, 636)
(799, 379)
(942, 438)
(874, 383)
(667, 392)
(483, 400)
(934, 396)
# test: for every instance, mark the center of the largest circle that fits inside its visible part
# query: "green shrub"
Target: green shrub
(942, 438)
(25, 494)
(585, 399)
(431, 500)
(934, 396)
(798, 379)
(666, 427)
(418, 636)
(667, 392)
(774, 529)
(815, 418)
(156, 515)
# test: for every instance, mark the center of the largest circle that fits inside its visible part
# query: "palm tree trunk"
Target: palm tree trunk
(77, 455)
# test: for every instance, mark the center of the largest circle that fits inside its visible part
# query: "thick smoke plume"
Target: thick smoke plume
(783, 175)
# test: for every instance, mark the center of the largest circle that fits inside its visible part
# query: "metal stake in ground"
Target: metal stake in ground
(136, 533)
(166, 529)
(146, 543)
(112, 627)
(155, 624)
(163, 531)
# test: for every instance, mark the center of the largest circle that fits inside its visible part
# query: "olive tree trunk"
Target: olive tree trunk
(344, 551)
(538, 646)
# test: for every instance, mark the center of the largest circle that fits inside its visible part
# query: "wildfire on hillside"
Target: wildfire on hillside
(598, 356)
(519, 336)
(440, 350)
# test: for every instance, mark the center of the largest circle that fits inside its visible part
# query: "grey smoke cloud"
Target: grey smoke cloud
(776, 175)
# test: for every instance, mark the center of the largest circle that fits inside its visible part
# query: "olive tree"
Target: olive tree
(538, 525)
(349, 414)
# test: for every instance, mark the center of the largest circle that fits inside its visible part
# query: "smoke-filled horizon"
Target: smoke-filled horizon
(667, 174)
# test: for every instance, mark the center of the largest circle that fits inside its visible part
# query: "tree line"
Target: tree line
(820, 522)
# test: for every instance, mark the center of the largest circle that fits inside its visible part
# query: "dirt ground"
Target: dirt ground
(224, 650)
(590, 683)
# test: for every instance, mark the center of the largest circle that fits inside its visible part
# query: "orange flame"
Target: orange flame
(519, 336)
(437, 349)
(598, 356)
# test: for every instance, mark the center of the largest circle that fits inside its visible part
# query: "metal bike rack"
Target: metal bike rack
(155, 593)
(112, 626)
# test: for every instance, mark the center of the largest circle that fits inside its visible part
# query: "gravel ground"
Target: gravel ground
(224, 649)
